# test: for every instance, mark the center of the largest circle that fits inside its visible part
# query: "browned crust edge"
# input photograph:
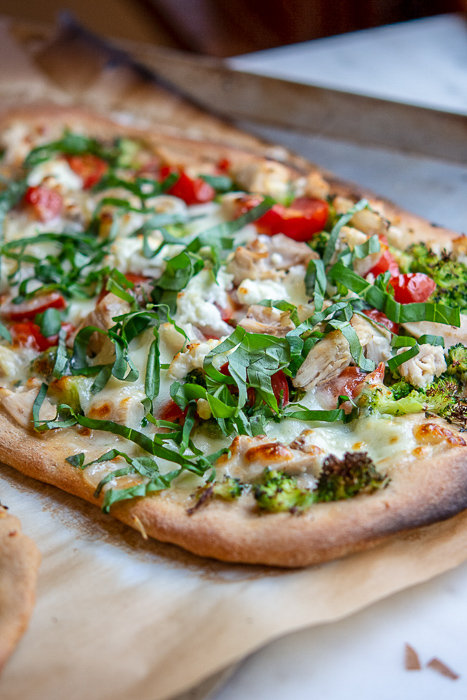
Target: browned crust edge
(423, 492)
(19, 564)
(420, 493)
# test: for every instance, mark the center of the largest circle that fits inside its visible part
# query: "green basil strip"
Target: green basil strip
(315, 282)
(355, 348)
(400, 313)
(221, 183)
(70, 144)
(342, 221)
(372, 245)
(61, 357)
(332, 416)
(36, 407)
(50, 322)
(152, 378)
(431, 340)
(5, 333)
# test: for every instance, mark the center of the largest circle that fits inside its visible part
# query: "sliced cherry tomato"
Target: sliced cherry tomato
(386, 261)
(299, 221)
(27, 310)
(414, 287)
(381, 317)
(172, 413)
(44, 202)
(280, 387)
(89, 167)
(29, 334)
(223, 165)
(193, 190)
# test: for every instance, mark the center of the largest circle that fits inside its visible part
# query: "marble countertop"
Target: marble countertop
(424, 62)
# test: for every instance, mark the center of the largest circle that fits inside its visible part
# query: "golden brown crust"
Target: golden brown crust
(420, 493)
(19, 563)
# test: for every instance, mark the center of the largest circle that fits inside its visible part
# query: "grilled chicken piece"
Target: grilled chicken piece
(102, 317)
(268, 258)
(313, 185)
(375, 341)
(249, 456)
(324, 362)
(424, 367)
(262, 319)
(19, 405)
(122, 408)
(451, 334)
(264, 177)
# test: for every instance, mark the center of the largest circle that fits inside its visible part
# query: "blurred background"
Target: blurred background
(228, 27)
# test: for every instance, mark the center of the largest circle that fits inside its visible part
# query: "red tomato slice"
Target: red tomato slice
(27, 310)
(381, 317)
(280, 387)
(45, 203)
(89, 167)
(191, 190)
(300, 221)
(172, 413)
(414, 287)
(223, 165)
(28, 333)
(386, 261)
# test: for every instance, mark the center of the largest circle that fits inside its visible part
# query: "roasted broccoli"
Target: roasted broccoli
(450, 275)
(402, 398)
(457, 362)
(279, 492)
(344, 478)
(229, 489)
(440, 397)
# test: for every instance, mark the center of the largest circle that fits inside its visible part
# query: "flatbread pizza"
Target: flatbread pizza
(19, 563)
(239, 355)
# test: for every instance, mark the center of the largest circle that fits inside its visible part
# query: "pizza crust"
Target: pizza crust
(422, 492)
(19, 563)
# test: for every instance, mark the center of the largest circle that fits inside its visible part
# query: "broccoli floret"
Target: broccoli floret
(229, 489)
(45, 362)
(457, 362)
(196, 376)
(402, 398)
(279, 492)
(344, 478)
(450, 275)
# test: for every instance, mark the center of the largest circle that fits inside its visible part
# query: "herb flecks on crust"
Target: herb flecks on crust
(216, 319)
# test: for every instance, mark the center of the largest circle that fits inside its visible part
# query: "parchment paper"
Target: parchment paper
(121, 618)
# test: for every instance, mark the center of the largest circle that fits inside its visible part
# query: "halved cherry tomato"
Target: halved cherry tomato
(45, 203)
(279, 385)
(299, 221)
(172, 413)
(27, 310)
(193, 190)
(223, 165)
(414, 287)
(29, 334)
(89, 167)
(386, 261)
(381, 317)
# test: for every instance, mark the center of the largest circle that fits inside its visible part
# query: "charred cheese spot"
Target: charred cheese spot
(434, 434)
(101, 411)
(269, 453)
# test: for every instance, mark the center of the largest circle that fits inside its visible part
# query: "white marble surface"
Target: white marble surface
(423, 62)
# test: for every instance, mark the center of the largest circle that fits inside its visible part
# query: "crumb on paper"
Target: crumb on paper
(411, 660)
(440, 667)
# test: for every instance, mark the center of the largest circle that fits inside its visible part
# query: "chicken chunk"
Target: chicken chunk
(375, 341)
(263, 319)
(191, 358)
(324, 362)
(451, 334)
(264, 177)
(123, 408)
(424, 367)
(19, 405)
(102, 317)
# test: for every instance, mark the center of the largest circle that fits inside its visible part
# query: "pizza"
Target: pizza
(19, 562)
(229, 352)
